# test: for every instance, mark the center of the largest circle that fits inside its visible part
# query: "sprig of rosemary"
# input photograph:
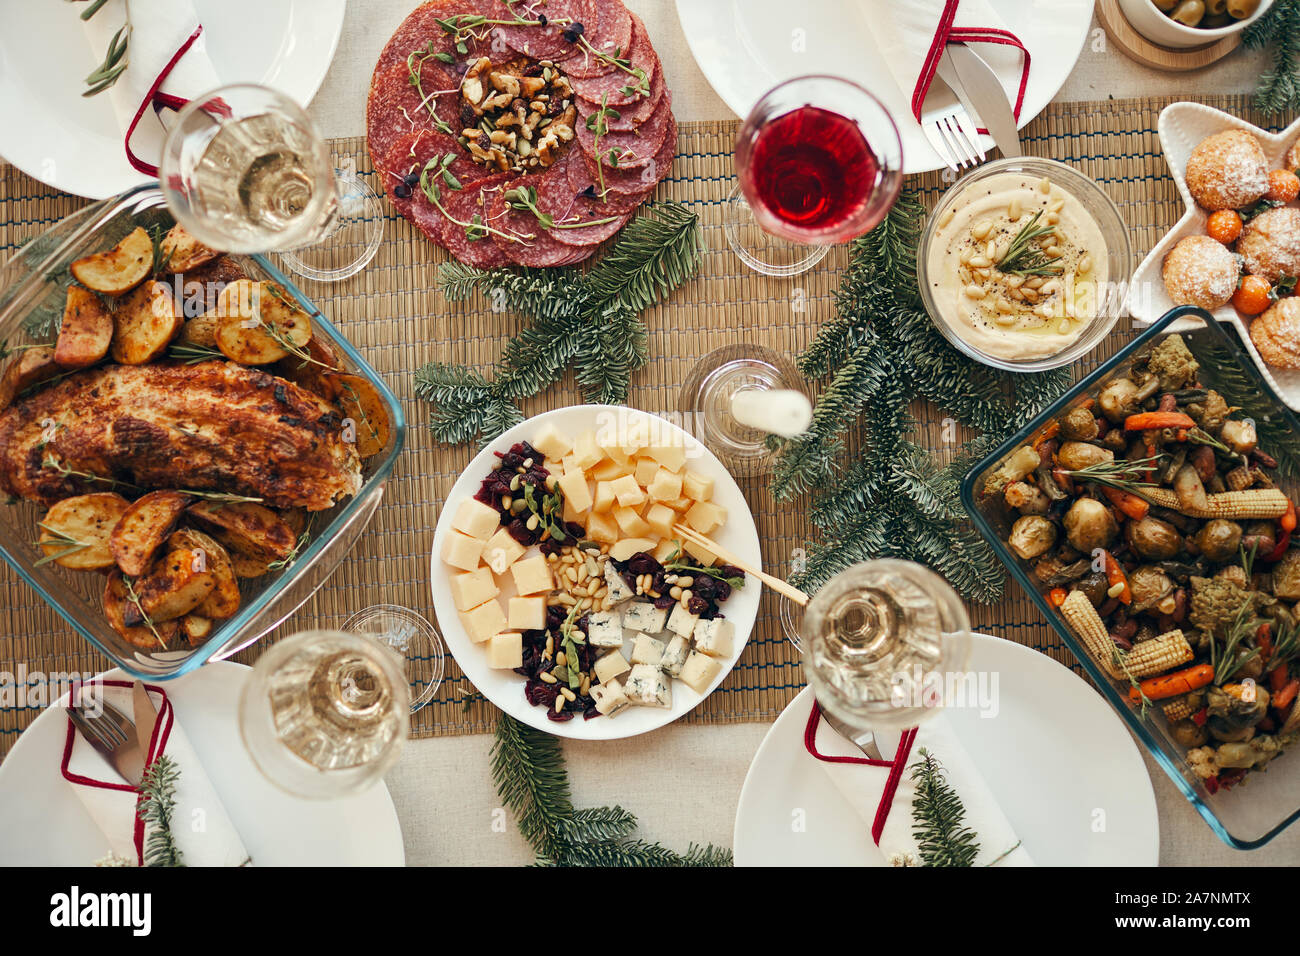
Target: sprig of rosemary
(155, 809)
(144, 616)
(1122, 473)
(66, 543)
(1198, 436)
(50, 463)
(1146, 703)
(1022, 259)
(292, 556)
(192, 354)
(115, 60)
(161, 255)
(1227, 662)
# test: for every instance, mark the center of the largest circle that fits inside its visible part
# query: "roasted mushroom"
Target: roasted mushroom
(1031, 536)
(1219, 539)
(1079, 425)
(1239, 435)
(1118, 400)
(1077, 454)
(1154, 539)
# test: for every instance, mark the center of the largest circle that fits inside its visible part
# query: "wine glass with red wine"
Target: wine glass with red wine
(819, 162)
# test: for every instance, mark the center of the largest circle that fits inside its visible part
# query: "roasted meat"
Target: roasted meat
(212, 426)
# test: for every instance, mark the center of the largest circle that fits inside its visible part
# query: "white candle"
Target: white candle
(778, 411)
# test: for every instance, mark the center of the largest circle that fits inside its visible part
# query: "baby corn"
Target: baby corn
(1177, 709)
(1253, 503)
(1158, 655)
(1091, 630)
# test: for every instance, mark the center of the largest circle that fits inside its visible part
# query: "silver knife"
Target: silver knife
(981, 90)
(146, 717)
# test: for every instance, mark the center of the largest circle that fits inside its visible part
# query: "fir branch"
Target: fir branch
(1278, 89)
(656, 252)
(155, 809)
(528, 768)
(938, 817)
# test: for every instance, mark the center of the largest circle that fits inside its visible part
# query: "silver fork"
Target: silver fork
(949, 128)
(864, 740)
(112, 733)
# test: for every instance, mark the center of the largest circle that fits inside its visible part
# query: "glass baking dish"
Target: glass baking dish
(1246, 816)
(33, 287)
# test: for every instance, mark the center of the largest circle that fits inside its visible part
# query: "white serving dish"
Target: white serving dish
(505, 688)
(1146, 19)
(1181, 127)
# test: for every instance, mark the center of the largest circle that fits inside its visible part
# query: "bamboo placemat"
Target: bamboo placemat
(394, 314)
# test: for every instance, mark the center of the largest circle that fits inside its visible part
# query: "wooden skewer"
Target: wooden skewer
(776, 584)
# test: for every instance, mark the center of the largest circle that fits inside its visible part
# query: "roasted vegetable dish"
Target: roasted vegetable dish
(180, 427)
(1153, 522)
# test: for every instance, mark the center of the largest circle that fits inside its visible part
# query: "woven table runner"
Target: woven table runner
(392, 312)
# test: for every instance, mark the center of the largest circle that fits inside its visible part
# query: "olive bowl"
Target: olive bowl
(1250, 814)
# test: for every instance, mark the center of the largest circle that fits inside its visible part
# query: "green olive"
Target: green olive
(1165, 5)
(1214, 7)
(1188, 13)
(1216, 21)
(1241, 9)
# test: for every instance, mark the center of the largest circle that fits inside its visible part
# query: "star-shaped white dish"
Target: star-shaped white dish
(1182, 126)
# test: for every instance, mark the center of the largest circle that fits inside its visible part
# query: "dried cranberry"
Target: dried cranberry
(697, 605)
(575, 530)
(551, 546)
(721, 591)
(731, 571)
(704, 586)
(511, 460)
(519, 531)
(590, 712)
(555, 616)
(664, 602)
(643, 564)
(559, 718)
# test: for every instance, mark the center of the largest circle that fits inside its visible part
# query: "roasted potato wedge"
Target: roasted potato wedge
(260, 323)
(160, 636)
(195, 628)
(25, 369)
(249, 567)
(361, 404)
(313, 375)
(201, 331)
(177, 584)
(200, 288)
(182, 252)
(75, 532)
(121, 268)
(248, 530)
(143, 528)
(86, 332)
(224, 600)
(144, 324)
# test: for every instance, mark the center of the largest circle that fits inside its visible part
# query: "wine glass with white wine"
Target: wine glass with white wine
(244, 170)
(325, 713)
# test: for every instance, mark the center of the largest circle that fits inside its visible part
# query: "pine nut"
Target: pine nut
(561, 659)
(974, 292)
(1015, 281)
(1044, 185)
(505, 502)
(675, 592)
(979, 262)
(568, 694)
(1004, 320)
(1034, 282)
(1064, 327)
(982, 229)
(1013, 209)
(585, 686)
(1053, 251)
(1052, 218)
(1051, 286)
(947, 217)
(1085, 263)
(559, 704)
(990, 250)
(546, 677)
(1029, 295)
(533, 522)
(686, 580)
(1004, 307)
(586, 603)
(964, 257)
(1057, 206)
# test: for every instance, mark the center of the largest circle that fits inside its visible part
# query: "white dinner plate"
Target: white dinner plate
(72, 142)
(505, 688)
(1059, 760)
(43, 823)
(745, 47)
(1182, 126)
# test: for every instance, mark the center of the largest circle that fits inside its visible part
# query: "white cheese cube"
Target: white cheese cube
(506, 651)
(666, 486)
(619, 590)
(644, 617)
(646, 649)
(682, 621)
(604, 629)
(696, 486)
(671, 453)
(715, 638)
(648, 686)
(699, 670)
(552, 442)
(472, 588)
(527, 613)
(485, 621)
(532, 575)
(501, 551)
(586, 450)
(461, 551)
(577, 493)
(476, 519)
(704, 516)
(627, 492)
(609, 698)
(675, 654)
(610, 666)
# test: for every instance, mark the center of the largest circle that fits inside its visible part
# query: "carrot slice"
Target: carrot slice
(1115, 575)
(1132, 506)
(1145, 420)
(1171, 685)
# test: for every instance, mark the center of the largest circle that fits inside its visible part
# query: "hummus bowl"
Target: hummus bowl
(1023, 264)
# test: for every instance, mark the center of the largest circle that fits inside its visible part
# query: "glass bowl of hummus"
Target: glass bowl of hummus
(1023, 264)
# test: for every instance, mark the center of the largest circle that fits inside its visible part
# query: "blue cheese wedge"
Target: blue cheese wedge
(646, 649)
(604, 629)
(715, 638)
(648, 686)
(682, 622)
(610, 666)
(645, 618)
(619, 590)
(699, 670)
(609, 697)
(674, 656)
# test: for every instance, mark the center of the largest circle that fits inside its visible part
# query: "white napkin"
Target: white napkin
(159, 28)
(200, 826)
(862, 785)
(904, 33)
